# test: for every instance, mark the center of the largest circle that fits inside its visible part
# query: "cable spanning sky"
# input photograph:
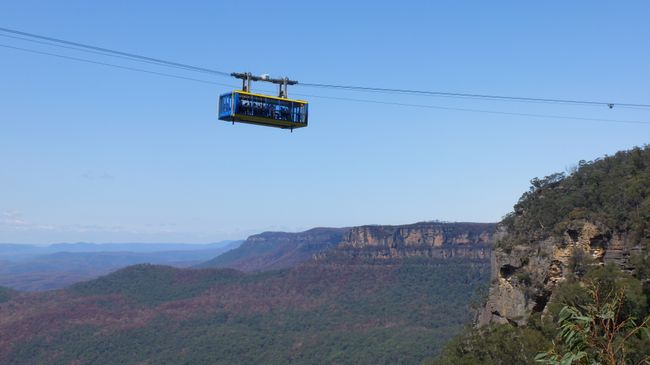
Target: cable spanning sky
(80, 47)
(102, 151)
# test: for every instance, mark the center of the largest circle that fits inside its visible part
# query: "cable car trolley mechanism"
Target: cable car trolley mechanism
(244, 106)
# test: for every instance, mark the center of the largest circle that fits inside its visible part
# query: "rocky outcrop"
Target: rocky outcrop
(426, 240)
(277, 250)
(564, 224)
(524, 276)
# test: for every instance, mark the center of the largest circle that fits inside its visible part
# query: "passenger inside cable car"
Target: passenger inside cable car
(244, 107)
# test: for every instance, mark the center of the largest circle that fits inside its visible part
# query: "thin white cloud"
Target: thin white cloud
(13, 219)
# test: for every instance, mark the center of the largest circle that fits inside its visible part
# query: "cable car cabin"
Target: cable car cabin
(271, 111)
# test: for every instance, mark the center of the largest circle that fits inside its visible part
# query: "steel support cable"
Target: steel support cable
(133, 56)
(475, 96)
(113, 65)
(330, 97)
(121, 53)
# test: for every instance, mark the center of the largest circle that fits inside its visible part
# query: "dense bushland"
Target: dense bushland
(398, 312)
(613, 191)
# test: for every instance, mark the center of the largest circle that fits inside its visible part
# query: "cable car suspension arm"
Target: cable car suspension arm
(247, 77)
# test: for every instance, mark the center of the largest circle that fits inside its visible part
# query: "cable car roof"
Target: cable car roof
(268, 96)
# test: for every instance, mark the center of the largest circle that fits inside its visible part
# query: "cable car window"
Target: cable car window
(240, 106)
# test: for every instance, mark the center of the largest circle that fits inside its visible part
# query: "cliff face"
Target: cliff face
(427, 239)
(563, 225)
(524, 276)
(277, 250)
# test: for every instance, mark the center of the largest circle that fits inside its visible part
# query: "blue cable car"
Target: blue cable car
(243, 106)
(271, 111)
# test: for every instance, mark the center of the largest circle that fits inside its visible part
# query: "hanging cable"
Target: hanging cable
(136, 57)
(90, 51)
(534, 115)
(115, 52)
(475, 96)
(321, 96)
(113, 65)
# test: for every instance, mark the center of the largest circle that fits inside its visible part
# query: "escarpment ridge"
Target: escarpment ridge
(377, 243)
(438, 240)
(598, 214)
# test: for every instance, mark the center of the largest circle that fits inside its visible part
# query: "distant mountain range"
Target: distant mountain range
(37, 268)
(277, 250)
(13, 251)
(363, 295)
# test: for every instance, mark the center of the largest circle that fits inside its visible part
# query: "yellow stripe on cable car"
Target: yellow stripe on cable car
(270, 97)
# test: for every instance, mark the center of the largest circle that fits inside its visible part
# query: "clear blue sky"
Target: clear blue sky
(98, 154)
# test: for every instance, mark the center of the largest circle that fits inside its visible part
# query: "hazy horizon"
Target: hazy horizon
(297, 230)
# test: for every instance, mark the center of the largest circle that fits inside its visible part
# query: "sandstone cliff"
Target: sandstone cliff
(598, 214)
(524, 276)
(277, 250)
(426, 240)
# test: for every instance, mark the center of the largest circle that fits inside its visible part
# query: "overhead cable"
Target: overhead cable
(115, 52)
(112, 65)
(141, 58)
(325, 97)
